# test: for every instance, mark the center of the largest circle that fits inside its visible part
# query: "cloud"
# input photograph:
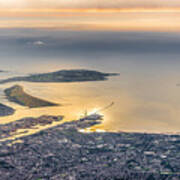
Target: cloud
(38, 43)
(154, 15)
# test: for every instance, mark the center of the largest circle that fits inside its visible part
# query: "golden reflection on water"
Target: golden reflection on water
(136, 108)
(74, 100)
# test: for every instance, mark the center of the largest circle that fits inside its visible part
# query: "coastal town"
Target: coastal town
(63, 152)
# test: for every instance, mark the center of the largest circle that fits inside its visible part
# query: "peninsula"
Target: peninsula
(17, 95)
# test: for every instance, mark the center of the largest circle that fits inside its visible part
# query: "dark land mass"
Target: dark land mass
(63, 153)
(11, 129)
(3, 71)
(63, 76)
(16, 94)
(6, 110)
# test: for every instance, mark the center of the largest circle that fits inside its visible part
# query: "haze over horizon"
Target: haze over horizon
(88, 4)
(119, 15)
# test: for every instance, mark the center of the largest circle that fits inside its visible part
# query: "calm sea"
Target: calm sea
(145, 95)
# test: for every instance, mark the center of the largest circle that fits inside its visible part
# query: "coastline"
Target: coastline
(66, 153)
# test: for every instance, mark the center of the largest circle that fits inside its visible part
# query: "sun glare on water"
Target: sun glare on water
(91, 130)
(87, 113)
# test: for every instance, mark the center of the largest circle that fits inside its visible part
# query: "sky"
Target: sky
(117, 15)
(87, 3)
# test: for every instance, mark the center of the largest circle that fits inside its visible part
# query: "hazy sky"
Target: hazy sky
(154, 15)
(88, 3)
